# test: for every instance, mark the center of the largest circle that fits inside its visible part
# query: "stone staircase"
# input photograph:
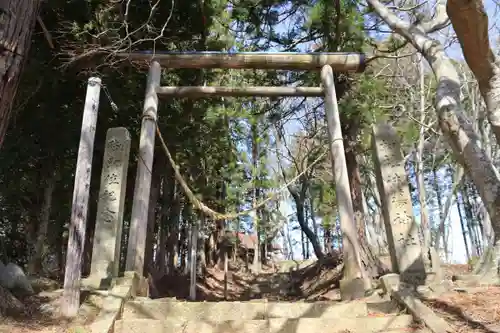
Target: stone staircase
(143, 315)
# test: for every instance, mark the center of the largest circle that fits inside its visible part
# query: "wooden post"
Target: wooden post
(352, 263)
(139, 219)
(76, 239)
(339, 61)
(226, 273)
(193, 263)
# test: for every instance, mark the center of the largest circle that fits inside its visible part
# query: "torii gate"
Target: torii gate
(326, 62)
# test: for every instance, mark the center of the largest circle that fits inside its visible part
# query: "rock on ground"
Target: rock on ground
(12, 277)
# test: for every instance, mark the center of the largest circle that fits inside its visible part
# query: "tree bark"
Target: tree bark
(378, 219)
(456, 182)
(187, 230)
(313, 215)
(172, 200)
(154, 195)
(299, 204)
(356, 192)
(17, 22)
(35, 264)
(464, 232)
(422, 196)
(299, 196)
(456, 127)
(161, 258)
(290, 244)
(193, 259)
(173, 247)
(256, 266)
(306, 220)
(471, 220)
(220, 227)
(470, 22)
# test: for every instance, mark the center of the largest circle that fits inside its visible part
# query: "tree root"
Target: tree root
(486, 270)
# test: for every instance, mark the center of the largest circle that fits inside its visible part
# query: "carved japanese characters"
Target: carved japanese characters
(106, 250)
(402, 231)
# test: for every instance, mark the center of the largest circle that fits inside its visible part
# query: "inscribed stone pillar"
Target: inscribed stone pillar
(108, 230)
(402, 230)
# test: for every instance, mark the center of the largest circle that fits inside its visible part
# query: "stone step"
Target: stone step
(400, 323)
(383, 306)
(223, 311)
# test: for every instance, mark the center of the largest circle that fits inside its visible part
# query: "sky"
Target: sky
(457, 247)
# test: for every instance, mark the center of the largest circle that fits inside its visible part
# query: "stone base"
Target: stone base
(432, 278)
(433, 266)
(390, 282)
(98, 283)
(435, 289)
(140, 284)
(352, 289)
(420, 312)
(414, 278)
(421, 278)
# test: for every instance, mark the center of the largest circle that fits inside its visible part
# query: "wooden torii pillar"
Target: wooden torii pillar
(326, 62)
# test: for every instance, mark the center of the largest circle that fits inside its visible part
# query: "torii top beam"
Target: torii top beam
(340, 62)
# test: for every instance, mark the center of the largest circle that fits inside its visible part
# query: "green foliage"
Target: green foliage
(212, 139)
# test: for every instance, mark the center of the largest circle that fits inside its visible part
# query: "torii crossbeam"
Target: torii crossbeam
(339, 61)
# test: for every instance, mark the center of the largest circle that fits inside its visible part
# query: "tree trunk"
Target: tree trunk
(211, 249)
(173, 247)
(154, 195)
(201, 263)
(487, 230)
(455, 125)
(356, 192)
(378, 219)
(161, 258)
(61, 242)
(186, 236)
(35, 264)
(284, 243)
(220, 229)
(471, 220)
(31, 220)
(437, 190)
(256, 195)
(328, 239)
(313, 216)
(290, 244)
(470, 22)
(299, 204)
(226, 277)
(302, 244)
(17, 22)
(167, 187)
(464, 231)
(457, 180)
(256, 266)
(422, 197)
(193, 251)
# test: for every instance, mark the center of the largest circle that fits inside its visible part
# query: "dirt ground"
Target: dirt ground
(474, 311)
(470, 310)
(37, 316)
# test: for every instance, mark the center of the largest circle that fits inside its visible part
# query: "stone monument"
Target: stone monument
(109, 221)
(402, 230)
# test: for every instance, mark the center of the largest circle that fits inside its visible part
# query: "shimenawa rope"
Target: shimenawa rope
(207, 210)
